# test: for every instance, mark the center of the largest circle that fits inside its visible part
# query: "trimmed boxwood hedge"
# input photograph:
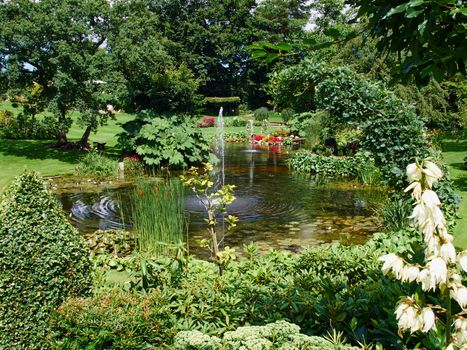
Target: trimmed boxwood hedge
(43, 261)
(229, 104)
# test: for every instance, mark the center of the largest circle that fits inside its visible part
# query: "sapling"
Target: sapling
(215, 203)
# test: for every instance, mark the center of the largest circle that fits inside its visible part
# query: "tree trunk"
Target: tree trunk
(215, 244)
(62, 139)
(85, 138)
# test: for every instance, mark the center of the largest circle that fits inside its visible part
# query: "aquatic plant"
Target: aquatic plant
(97, 165)
(158, 213)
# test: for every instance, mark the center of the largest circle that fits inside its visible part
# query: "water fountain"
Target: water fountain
(221, 145)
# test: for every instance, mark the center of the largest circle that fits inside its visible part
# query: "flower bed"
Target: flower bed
(274, 140)
(206, 122)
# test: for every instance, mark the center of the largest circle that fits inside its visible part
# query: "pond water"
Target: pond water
(276, 207)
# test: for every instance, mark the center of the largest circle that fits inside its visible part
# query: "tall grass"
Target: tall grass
(159, 217)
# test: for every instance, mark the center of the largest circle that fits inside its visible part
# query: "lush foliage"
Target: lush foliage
(96, 164)
(235, 122)
(159, 217)
(173, 141)
(335, 286)
(430, 35)
(24, 127)
(305, 161)
(43, 261)
(68, 65)
(279, 335)
(391, 130)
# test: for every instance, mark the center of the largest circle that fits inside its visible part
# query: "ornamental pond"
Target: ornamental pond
(276, 207)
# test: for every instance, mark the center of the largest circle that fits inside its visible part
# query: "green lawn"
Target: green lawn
(18, 155)
(454, 151)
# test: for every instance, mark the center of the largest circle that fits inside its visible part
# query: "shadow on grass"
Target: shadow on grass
(460, 184)
(455, 146)
(35, 149)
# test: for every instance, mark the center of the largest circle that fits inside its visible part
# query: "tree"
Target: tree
(61, 46)
(429, 36)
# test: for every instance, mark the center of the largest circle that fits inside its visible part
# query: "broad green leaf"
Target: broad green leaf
(398, 9)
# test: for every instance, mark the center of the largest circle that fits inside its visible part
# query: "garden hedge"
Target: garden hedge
(43, 261)
(230, 105)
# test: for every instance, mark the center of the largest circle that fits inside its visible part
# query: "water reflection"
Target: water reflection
(276, 208)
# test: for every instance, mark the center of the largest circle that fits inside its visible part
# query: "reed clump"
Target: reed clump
(159, 216)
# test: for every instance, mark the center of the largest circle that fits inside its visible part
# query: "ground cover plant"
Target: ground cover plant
(332, 285)
(43, 261)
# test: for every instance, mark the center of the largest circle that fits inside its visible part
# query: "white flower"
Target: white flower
(461, 330)
(428, 317)
(430, 199)
(438, 270)
(460, 295)
(408, 317)
(425, 278)
(409, 273)
(414, 173)
(392, 262)
(463, 260)
(416, 187)
(460, 323)
(448, 253)
(401, 309)
(432, 170)
(420, 213)
(455, 280)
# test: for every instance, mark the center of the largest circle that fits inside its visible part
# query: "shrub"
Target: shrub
(328, 285)
(287, 114)
(235, 122)
(261, 114)
(305, 161)
(97, 165)
(43, 261)
(26, 127)
(113, 319)
(173, 141)
(309, 125)
(230, 105)
(279, 335)
(235, 137)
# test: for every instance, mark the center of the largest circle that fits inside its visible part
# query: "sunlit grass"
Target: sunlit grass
(454, 151)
